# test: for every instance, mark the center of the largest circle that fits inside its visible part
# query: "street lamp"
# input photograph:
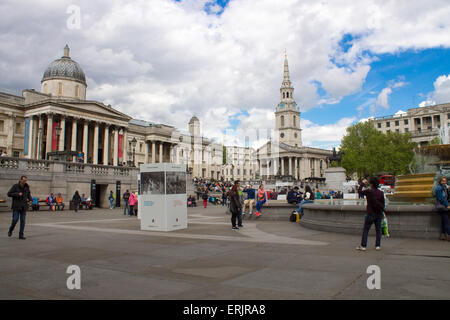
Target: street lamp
(133, 143)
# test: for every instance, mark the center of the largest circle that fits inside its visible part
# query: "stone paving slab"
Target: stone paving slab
(263, 260)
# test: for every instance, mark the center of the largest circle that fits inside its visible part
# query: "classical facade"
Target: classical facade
(59, 118)
(424, 123)
(283, 156)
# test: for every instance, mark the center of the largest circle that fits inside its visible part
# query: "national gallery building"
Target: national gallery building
(37, 125)
(64, 142)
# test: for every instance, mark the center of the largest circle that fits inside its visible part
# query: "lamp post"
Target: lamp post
(133, 143)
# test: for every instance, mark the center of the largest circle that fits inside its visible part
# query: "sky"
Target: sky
(164, 60)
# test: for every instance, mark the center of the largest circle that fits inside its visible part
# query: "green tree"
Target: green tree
(366, 151)
(224, 155)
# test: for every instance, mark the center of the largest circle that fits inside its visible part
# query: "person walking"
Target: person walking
(133, 201)
(20, 194)
(205, 197)
(235, 204)
(111, 199)
(126, 206)
(261, 199)
(442, 207)
(224, 197)
(76, 200)
(375, 207)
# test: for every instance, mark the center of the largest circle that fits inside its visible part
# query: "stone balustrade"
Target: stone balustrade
(32, 165)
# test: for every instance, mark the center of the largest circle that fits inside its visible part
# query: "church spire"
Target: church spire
(286, 78)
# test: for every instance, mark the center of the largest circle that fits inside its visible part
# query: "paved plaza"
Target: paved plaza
(263, 260)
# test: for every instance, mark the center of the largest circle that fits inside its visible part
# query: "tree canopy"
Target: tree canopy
(367, 151)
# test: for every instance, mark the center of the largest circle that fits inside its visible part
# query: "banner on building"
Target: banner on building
(54, 137)
(120, 146)
(26, 139)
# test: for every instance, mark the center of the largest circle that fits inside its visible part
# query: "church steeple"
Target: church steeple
(287, 114)
(286, 78)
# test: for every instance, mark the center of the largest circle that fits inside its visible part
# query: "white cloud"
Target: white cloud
(164, 60)
(383, 98)
(325, 136)
(441, 93)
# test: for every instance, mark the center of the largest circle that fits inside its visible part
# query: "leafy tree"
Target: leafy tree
(366, 151)
(224, 155)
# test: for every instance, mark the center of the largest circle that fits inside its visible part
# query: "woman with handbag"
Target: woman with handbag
(442, 207)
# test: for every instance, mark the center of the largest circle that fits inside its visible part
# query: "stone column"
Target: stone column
(125, 146)
(95, 153)
(30, 139)
(146, 152)
(171, 150)
(39, 138)
(85, 140)
(116, 147)
(153, 152)
(161, 152)
(290, 166)
(74, 135)
(295, 168)
(106, 146)
(282, 166)
(48, 143)
(62, 137)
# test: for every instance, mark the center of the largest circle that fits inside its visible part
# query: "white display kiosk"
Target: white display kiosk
(162, 199)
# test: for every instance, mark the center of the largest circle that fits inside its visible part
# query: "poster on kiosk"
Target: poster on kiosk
(162, 197)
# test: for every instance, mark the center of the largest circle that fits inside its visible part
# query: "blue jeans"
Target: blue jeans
(259, 205)
(445, 225)
(125, 207)
(111, 203)
(22, 213)
(372, 218)
(300, 210)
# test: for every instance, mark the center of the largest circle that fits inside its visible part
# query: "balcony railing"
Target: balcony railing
(31, 165)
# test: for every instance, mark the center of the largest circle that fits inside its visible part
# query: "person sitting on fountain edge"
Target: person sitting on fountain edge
(293, 196)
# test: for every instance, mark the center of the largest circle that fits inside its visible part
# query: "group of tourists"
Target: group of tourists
(130, 203)
(238, 202)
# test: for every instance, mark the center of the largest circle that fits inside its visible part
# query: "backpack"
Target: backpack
(205, 196)
(293, 216)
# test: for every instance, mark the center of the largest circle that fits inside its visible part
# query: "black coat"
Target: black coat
(76, 198)
(20, 202)
(235, 202)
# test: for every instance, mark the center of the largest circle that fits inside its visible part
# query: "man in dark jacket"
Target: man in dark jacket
(20, 194)
(293, 197)
(375, 208)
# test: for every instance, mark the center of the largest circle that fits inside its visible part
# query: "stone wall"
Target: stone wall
(64, 177)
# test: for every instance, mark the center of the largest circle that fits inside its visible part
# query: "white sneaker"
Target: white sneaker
(360, 248)
(377, 248)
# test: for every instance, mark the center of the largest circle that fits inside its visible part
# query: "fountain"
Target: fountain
(409, 210)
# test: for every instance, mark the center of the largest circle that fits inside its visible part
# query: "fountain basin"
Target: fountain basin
(404, 220)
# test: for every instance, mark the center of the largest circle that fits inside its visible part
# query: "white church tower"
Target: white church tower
(287, 114)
